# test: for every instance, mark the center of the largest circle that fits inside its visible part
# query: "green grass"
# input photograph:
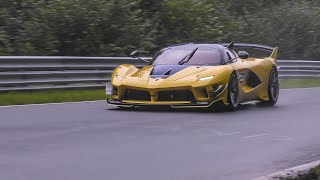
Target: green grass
(299, 83)
(56, 96)
(313, 174)
(51, 96)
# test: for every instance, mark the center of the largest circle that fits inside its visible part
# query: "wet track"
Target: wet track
(87, 141)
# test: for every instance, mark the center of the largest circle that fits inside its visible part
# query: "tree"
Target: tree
(193, 21)
(291, 25)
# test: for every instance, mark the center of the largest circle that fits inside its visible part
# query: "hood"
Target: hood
(165, 74)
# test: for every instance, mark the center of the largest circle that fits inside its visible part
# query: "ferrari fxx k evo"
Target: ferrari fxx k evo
(197, 76)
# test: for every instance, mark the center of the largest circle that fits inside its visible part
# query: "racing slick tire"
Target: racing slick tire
(233, 92)
(273, 89)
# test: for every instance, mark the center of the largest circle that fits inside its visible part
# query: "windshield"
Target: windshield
(176, 55)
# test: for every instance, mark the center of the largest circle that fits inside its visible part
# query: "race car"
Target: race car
(197, 76)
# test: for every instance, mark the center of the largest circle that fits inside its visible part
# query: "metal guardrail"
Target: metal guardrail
(24, 73)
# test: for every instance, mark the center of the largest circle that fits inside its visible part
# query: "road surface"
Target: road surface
(82, 141)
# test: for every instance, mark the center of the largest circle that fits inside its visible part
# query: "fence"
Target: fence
(23, 73)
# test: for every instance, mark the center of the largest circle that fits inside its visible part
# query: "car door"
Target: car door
(244, 73)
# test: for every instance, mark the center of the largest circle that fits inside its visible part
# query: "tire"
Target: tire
(273, 89)
(233, 92)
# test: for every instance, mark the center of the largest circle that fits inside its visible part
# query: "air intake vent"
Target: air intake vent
(132, 94)
(181, 95)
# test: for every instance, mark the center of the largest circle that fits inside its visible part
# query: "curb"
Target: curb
(291, 172)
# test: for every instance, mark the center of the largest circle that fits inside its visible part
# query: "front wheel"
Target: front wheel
(273, 89)
(233, 92)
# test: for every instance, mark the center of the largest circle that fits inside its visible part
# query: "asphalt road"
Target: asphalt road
(87, 141)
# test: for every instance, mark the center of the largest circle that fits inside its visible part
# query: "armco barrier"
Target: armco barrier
(23, 73)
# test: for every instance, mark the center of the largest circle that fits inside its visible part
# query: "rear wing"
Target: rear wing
(273, 50)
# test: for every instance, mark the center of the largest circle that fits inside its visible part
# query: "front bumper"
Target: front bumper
(177, 104)
(175, 97)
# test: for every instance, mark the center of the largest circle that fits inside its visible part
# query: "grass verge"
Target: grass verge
(299, 83)
(313, 174)
(56, 96)
(51, 96)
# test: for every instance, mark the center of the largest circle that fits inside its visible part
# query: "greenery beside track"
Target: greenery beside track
(116, 27)
(299, 83)
(313, 174)
(51, 96)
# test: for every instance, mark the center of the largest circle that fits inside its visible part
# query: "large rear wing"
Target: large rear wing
(273, 50)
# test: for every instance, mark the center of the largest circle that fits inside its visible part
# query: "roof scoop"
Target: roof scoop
(164, 71)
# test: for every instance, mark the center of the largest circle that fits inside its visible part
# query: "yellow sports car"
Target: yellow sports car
(197, 76)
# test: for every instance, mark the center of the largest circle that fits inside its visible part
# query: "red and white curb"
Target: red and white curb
(291, 172)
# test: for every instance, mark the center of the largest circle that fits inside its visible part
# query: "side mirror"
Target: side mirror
(135, 54)
(243, 55)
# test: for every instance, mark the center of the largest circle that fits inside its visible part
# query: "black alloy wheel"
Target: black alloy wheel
(273, 88)
(233, 92)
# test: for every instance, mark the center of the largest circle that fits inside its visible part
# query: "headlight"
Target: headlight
(205, 78)
(119, 77)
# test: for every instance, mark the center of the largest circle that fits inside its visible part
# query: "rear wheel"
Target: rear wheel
(233, 92)
(273, 89)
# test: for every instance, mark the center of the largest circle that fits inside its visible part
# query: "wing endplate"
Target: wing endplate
(274, 53)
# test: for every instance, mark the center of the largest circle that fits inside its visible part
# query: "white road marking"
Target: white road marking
(219, 133)
(255, 136)
(228, 134)
(283, 139)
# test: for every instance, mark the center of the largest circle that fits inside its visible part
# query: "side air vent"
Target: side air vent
(253, 80)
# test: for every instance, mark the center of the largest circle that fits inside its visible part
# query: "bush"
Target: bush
(116, 27)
